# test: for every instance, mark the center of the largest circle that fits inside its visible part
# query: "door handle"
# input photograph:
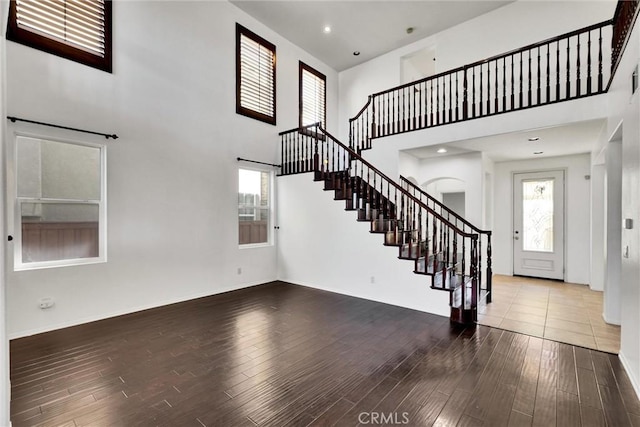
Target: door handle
(516, 237)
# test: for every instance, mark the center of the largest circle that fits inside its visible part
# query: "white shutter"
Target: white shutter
(77, 23)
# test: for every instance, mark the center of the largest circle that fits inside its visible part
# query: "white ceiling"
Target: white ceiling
(370, 27)
(574, 138)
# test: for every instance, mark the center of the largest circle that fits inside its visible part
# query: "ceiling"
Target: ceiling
(574, 138)
(370, 27)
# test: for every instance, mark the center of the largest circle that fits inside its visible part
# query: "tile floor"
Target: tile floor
(563, 312)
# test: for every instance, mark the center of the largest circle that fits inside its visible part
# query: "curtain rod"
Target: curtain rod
(106, 135)
(240, 159)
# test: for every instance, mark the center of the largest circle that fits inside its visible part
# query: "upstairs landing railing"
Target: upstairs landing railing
(570, 66)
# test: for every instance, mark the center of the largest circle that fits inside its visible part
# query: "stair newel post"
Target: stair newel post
(455, 254)
(474, 278)
(351, 144)
(489, 270)
(480, 261)
(434, 238)
(464, 256)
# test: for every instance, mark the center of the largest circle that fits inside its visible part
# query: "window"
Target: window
(255, 76)
(254, 206)
(59, 205)
(73, 29)
(313, 96)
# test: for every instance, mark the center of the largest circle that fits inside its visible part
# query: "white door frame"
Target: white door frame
(559, 257)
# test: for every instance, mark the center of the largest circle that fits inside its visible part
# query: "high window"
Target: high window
(313, 96)
(254, 207)
(79, 30)
(59, 208)
(255, 76)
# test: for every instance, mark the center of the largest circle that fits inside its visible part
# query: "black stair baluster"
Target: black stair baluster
(521, 77)
(600, 61)
(504, 84)
(538, 88)
(496, 91)
(578, 83)
(568, 68)
(529, 84)
(431, 103)
(548, 92)
(488, 92)
(557, 71)
(589, 63)
(457, 100)
(450, 104)
(513, 99)
(473, 92)
(437, 101)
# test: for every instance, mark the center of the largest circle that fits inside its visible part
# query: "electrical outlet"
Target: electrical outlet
(46, 303)
(239, 270)
(373, 279)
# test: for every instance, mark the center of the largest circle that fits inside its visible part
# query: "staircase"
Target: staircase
(438, 249)
(444, 247)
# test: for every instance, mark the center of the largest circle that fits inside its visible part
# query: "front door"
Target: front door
(538, 224)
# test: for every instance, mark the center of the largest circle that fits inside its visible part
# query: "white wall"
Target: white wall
(613, 219)
(466, 168)
(4, 342)
(322, 246)
(509, 27)
(172, 175)
(598, 233)
(577, 223)
(625, 108)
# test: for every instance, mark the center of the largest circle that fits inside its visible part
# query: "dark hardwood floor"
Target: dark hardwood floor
(284, 355)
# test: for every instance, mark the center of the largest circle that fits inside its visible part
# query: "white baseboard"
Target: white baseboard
(627, 368)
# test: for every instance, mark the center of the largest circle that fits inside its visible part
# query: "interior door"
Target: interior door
(538, 224)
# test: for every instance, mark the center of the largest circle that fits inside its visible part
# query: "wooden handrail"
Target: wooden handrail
(491, 58)
(442, 205)
(398, 187)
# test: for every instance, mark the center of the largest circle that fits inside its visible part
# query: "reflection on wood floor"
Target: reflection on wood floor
(280, 354)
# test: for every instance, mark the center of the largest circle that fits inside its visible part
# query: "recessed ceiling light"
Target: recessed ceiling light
(356, 52)
(441, 150)
(533, 139)
(538, 152)
(326, 29)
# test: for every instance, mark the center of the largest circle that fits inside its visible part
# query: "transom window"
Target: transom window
(313, 96)
(79, 30)
(255, 76)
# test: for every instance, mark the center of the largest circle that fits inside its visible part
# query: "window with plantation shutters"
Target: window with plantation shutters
(79, 30)
(313, 96)
(255, 76)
